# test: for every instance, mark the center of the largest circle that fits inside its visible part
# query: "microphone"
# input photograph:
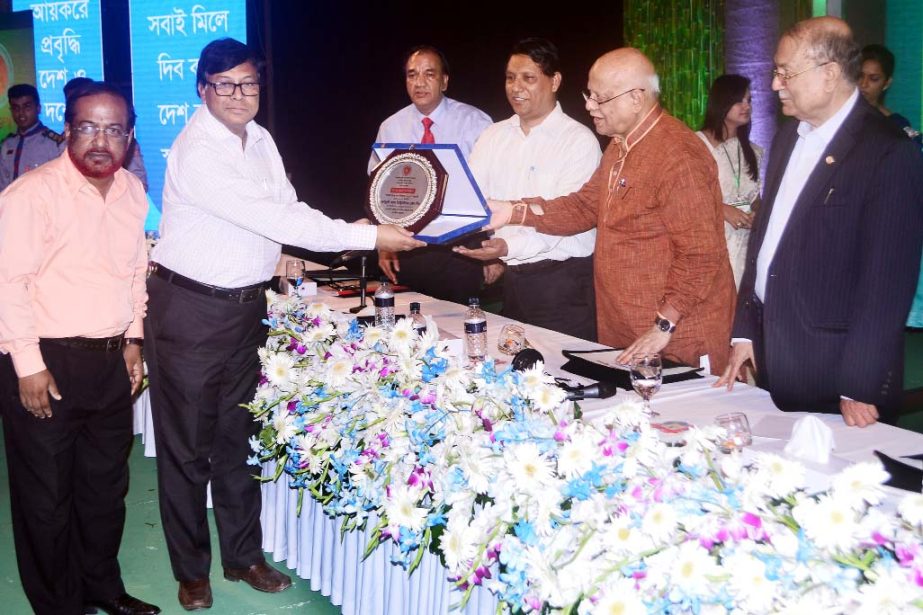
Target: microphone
(526, 358)
(600, 390)
(347, 256)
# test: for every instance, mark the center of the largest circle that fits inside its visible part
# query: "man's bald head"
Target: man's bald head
(828, 39)
(629, 68)
(627, 84)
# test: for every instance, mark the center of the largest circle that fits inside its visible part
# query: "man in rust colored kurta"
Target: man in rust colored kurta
(662, 274)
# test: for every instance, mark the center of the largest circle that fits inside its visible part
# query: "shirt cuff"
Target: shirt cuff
(136, 328)
(740, 340)
(28, 361)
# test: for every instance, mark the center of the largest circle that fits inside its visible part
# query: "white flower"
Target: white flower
(278, 369)
(911, 509)
(458, 545)
(749, 582)
(777, 477)
(402, 336)
(829, 522)
(576, 456)
(687, 567)
(284, 424)
(320, 333)
(372, 335)
(660, 522)
(402, 510)
(338, 371)
(620, 598)
(891, 592)
(547, 397)
(530, 471)
(861, 482)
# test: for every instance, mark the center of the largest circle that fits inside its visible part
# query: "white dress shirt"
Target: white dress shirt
(811, 145)
(227, 210)
(453, 122)
(556, 158)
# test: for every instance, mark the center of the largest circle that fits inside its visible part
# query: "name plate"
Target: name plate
(407, 189)
(426, 188)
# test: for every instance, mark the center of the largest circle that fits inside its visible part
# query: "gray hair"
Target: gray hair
(827, 44)
(655, 85)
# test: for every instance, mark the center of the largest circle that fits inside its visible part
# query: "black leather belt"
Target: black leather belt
(98, 344)
(245, 294)
(539, 266)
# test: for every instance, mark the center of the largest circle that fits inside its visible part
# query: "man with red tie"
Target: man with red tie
(432, 117)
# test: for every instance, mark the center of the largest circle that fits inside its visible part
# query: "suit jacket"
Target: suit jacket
(840, 284)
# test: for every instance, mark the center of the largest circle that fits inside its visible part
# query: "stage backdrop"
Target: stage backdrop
(166, 39)
(17, 61)
(68, 44)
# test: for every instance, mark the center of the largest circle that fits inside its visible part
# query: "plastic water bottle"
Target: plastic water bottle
(475, 331)
(419, 323)
(384, 305)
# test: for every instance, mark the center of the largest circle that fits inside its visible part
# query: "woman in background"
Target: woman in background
(876, 78)
(726, 132)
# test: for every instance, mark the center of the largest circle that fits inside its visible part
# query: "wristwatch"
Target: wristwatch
(664, 325)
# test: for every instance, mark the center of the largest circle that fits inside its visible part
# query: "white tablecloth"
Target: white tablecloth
(311, 543)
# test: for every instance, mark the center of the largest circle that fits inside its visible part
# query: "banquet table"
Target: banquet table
(312, 545)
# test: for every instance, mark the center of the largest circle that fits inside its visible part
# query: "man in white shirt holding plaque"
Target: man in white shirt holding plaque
(432, 117)
(539, 151)
(227, 209)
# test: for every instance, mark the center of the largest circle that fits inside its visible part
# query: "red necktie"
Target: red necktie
(427, 133)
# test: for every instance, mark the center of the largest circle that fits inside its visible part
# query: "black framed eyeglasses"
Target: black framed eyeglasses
(89, 131)
(227, 88)
(587, 97)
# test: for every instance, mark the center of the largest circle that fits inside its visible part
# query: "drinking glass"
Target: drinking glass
(738, 431)
(294, 275)
(646, 377)
(512, 339)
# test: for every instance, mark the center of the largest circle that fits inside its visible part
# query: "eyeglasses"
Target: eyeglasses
(784, 78)
(89, 131)
(587, 97)
(227, 88)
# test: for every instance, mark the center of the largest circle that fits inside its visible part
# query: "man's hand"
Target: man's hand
(135, 366)
(34, 390)
(389, 264)
(500, 213)
(652, 342)
(493, 272)
(396, 239)
(741, 353)
(858, 414)
(491, 249)
(736, 217)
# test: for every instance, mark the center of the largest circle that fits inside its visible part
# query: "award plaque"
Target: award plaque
(426, 188)
(407, 189)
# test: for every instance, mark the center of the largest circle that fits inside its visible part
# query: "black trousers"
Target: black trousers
(68, 479)
(202, 359)
(556, 295)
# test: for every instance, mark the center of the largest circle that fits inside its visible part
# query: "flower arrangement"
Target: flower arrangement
(491, 469)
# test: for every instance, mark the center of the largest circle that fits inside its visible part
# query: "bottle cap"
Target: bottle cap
(474, 301)
(414, 306)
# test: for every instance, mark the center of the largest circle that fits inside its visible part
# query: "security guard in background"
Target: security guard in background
(33, 144)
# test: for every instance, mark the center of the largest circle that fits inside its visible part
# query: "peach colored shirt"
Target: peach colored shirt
(71, 262)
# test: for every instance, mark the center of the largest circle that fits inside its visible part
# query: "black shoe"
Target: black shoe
(123, 605)
(262, 577)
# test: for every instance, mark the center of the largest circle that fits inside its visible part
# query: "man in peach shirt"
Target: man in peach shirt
(72, 299)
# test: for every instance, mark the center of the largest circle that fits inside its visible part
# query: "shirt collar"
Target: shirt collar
(437, 113)
(216, 128)
(33, 129)
(824, 133)
(549, 123)
(640, 131)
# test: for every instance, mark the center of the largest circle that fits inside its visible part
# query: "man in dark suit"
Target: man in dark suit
(833, 257)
